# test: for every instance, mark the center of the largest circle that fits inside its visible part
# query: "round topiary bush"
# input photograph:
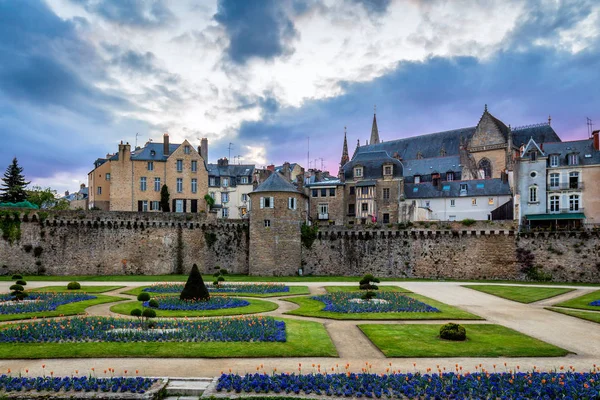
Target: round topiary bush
(153, 303)
(216, 283)
(17, 287)
(149, 313)
(17, 276)
(221, 279)
(18, 292)
(73, 286)
(454, 332)
(136, 312)
(144, 296)
(21, 282)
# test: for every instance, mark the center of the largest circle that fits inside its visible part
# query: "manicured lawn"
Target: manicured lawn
(66, 309)
(294, 290)
(84, 289)
(587, 315)
(256, 306)
(304, 339)
(582, 302)
(333, 289)
(312, 308)
(521, 294)
(415, 340)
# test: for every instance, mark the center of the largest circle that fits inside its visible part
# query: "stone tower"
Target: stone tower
(277, 212)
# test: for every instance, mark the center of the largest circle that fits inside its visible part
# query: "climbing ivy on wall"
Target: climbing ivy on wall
(10, 224)
(211, 239)
(308, 234)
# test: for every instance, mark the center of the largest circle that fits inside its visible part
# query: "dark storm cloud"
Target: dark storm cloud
(260, 29)
(135, 13)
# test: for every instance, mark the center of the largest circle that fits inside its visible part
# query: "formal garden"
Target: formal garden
(230, 319)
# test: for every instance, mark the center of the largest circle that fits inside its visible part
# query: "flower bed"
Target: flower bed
(215, 303)
(595, 303)
(506, 385)
(39, 302)
(346, 302)
(105, 329)
(258, 288)
(76, 384)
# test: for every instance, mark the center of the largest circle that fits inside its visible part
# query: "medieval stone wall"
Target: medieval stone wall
(97, 243)
(453, 254)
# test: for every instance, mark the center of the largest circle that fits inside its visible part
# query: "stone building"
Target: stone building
(277, 212)
(133, 179)
(326, 198)
(229, 185)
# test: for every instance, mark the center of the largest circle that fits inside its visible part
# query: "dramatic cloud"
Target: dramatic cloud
(136, 13)
(256, 29)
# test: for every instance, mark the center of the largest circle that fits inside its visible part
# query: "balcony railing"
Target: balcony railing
(324, 216)
(565, 211)
(566, 186)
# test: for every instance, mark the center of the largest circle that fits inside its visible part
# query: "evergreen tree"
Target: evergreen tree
(164, 199)
(13, 186)
(194, 288)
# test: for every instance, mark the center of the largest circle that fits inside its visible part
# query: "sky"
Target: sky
(79, 76)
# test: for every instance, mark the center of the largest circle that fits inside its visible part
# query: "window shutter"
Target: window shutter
(140, 206)
(290, 203)
(262, 202)
(272, 202)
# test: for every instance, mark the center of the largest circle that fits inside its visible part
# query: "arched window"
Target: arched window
(533, 194)
(485, 168)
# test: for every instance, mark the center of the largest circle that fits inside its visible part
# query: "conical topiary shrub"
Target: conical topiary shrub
(194, 287)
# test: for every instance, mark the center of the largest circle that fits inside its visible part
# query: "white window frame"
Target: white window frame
(533, 194)
(194, 185)
(385, 170)
(554, 160)
(452, 203)
(225, 197)
(554, 202)
(417, 178)
(145, 205)
(450, 176)
(156, 184)
(107, 176)
(179, 185)
(292, 203)
(99, 190)
(267, 223)
(225, 182)
(186, 149)
(244, 180)
(358, 172)
(267, 202)
(573, 159)
(554, 178)
(155, 205)
(383, 193)
(225, 212)
(212, 181)
(143, 184)
(574, 202)
(244, 197)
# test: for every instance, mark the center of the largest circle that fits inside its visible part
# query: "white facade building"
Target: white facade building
(229, 186)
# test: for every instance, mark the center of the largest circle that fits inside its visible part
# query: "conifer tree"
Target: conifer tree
(13, 184)
(164, 199)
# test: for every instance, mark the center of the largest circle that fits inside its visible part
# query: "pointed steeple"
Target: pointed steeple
(345, 157)
(374, 131)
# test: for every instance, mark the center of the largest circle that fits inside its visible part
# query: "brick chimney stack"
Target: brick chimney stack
(271, 168)
(204, 149)
(223, 162)
(166, 144)
(286, 171)
(596, 137)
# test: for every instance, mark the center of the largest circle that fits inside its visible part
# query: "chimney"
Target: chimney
(204, 149)
(82, 186)
(319, 175)
(596, 137)
(286, 170)
(300, 182)
(166, 144)
(271, 168)
(66, 193)
(223, 162)
(124, 152)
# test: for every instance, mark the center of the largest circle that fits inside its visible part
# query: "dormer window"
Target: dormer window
(533, 155)
(417, 178)
(554, 160)
(449, 176)
(152, 153)
(358, 172)
(387, 170)
(573, 159)
(419, 155)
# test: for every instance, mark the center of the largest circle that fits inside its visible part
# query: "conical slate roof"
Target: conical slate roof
(276, 183)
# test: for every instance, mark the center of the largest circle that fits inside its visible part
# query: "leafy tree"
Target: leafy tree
(43, 198)
(209, 200)
(13, 186)
(164, 199)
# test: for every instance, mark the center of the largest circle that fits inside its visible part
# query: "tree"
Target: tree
(209, 200)
(164, 199)
(194, 288)
(43, 198)
(13, 184)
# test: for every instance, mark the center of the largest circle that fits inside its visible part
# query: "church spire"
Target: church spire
(374, 131)
(345, 157)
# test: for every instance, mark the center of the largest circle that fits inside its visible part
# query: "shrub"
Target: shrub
(136, 312)
(454, 332)
(194, 288)
(468, 222)
(17, 276)
(144, 296)
(149, 313)
(17, 287)
(216, 283)
(21, 282)
(153, 303)
(18, 292)
(73, 286)
(223, 271)
(368, 295)
(368, 282)
(221, 279)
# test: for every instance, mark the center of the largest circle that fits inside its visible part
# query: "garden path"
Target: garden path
(579, 336)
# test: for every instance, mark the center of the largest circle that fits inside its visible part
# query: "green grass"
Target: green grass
(589, 316)
(333, 289)
(294, 290)
(304, 339)
(84, 289)
(521, 294)
(582, 302)
(66, 309)
(312, 308)
(246, 278)
(256, 306)
(416, 340)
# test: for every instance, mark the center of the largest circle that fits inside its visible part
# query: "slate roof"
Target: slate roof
(479, 187)
(280, 168)
(582, 147)
(326, 180)
(430, 145)
(145, 153)
(230, 170)
(275, 183)
(372, 163)
(427, 166)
